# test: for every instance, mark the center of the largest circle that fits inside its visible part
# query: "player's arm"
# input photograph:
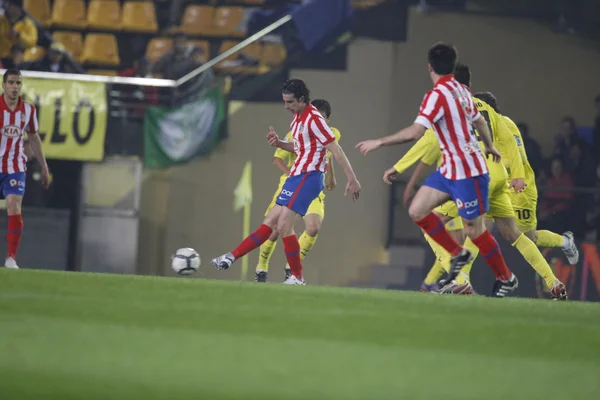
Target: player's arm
(330, 181)
(353, 185)
(432, 156)
(484, 133)
(281, 165)
(274, 141)
(413, 155)
(509, 149)
(413, 132)
(36, 146)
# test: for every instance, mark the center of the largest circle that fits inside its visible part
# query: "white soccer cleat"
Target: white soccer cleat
(570, 250)
(224, 261)
(11, 263)
(292, 280)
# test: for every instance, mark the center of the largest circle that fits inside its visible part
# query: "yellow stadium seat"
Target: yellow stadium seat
(101, 49)
(104, 14)
(69, 14)
(34, 53)
(273, 54)
(197, 20)
(228, 22)
(202, 44)
(72, 41)
(253, 50)
(157, 47)
(139, 16)
(39, 10)
(103, 72)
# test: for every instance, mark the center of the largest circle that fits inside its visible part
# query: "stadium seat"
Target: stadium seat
(139, 16)
(157, 47)
(72, 41)
(34, 53)
(39, 10)
(69, 14)
(104, 15)
(247, 2)
(197, 20)
(273, 54)
(200, 43)
(101, 49)
(232, 64)
(103, 72)
(228, 21)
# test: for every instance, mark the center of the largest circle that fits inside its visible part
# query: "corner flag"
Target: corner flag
(242, 199)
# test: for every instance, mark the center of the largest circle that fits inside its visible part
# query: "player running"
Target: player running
(312, 138)
(17, 117)
(284, 160)
(462, 176)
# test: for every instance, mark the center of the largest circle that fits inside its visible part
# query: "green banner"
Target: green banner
(175, 135)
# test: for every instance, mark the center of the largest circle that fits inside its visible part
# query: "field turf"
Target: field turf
(90, 336)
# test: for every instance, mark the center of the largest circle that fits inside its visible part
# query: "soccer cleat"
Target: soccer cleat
(457, 262)
(224, 261)
(457, 288)
(433, 288)
(261, 276)
(288, 273)
(571, 251)
(11, 263)
(292, 280)
(501, 288)
(559, 291)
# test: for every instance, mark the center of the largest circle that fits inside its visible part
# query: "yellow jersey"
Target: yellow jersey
(417, 151)
(529, 174)
(290, 157)
(502, 139)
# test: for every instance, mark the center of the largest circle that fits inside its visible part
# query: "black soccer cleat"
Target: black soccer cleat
(457, 262)
(288, 273)
(261, 276)
(502, 288)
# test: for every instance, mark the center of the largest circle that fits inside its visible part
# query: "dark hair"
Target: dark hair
(9, 72)
(442, 58)
(462, 73)
(323, 106)
(489, 98)
(298, 88)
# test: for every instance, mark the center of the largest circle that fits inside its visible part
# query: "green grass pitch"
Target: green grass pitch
(94, 336)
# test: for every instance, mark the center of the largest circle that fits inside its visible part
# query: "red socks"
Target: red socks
(490, 250)
(252, 242)
(435, 228)
(13, 234)
(292, 253)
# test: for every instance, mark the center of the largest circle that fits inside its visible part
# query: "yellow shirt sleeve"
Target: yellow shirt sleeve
(336, 133)
(417, 151)
(518, 138)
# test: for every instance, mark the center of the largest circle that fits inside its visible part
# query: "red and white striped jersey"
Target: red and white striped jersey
(449, 109)
(13, 124)
(311, 134)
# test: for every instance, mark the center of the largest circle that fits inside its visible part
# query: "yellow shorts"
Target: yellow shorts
(316, 207)
(499, 200)
(455, 224)
(525, 206)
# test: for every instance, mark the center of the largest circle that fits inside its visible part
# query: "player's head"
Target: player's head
(462, 74)
(296, 95)
(323, 106)
(12, 82)
(489, 98)
(442, 59)
(557, 167)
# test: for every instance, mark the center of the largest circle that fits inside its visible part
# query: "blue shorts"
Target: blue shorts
(12, 184)
(470, 194)
(300, 190)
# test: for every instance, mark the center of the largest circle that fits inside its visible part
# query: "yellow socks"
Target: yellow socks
(549, 239)
(465, 273)
(435, 273)
(306, 244)
(533, 256)
(266, 251)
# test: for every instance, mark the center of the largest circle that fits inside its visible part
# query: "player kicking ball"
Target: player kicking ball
(463, 175)
(312, 139)
(284, 160)
(17, 117)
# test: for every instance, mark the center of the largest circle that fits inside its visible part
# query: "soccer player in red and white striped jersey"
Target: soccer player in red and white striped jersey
(17, 117)
(463, 176)
(312, 139)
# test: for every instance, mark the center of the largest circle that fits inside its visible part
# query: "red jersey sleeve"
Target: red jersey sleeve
(318, 126)
(431, 109)
(32, 126)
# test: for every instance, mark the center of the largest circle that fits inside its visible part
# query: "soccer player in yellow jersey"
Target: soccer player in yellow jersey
(313, 219)
(525, 205)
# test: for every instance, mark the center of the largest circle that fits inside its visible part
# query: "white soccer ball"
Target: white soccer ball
(185, 261)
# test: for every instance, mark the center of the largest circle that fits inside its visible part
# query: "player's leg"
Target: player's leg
(250, 243)
(13, 186)
(473, 203)
(268, 247)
